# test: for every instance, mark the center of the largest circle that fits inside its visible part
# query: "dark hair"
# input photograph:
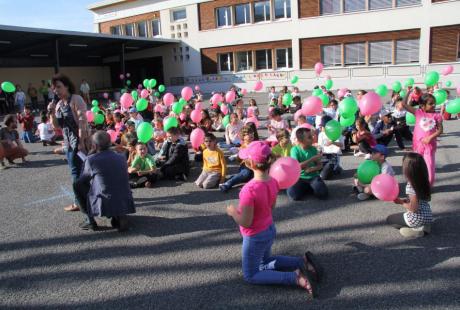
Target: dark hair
(416, 173)
(362, 91)
(333, 101)
(64, 80)
(10, 118)
(425, 98)
(282, 134)
(210, 136)
(27, 107)
(140, 143)
(362, 121)
(206, 112)
(43, 117)
(266, 165)
(174, 130)
(251, 127)
(302, 117)
(276, 112)
(301, 133)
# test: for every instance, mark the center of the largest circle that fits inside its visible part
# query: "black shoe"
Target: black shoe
(114, 222)
(132, 184)
(88, 226)
(123, 223)
(44, 143)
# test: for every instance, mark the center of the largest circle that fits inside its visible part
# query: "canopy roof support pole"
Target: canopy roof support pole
(56, 57)
(122, 58)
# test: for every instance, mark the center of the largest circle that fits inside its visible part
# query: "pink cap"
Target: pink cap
(257, 151)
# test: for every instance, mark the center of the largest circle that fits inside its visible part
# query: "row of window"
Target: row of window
(140, 29)
(245, 13)
(244, 61)
(347, 6)
(379, 53)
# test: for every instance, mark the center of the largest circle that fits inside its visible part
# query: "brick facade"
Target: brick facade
(308, 8)
(310, 49)
(444, 43)
(105, 26)
(207, 11)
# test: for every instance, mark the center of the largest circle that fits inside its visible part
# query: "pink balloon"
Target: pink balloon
(126, 100)
(196, 116)
(370, 104)
(229, 96)
(106, 95)
(183, 116)
(199, 105)
(89, 116)
(224, 109)
(342, 92)
(258, 86)
(447, 70)
(187, 93)
(385, 187)
(122, 76)
(244, 91)
(319, 68)
(252, 119)
(312, 106)
(286, 171)
(113, 135)
(197, 137)
(145, 93)
(197, 87)
(458, 90)
(168, 99)
(158, 108)
(216, 98)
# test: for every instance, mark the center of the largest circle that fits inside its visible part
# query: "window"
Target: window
(282, 9)
(284, 58)
(186, 34)
(380, 4)
(129, 30)
(458, 48)
(261, 11)
(224, 17)
(226, 62)
(141, 29)
(354, 5)
(331, 55)
(407, 2)
(156, 28)
(242, 14)
(264, 60)
(178, 15)
(116, 30)
(407, 51)
(330, 7)
(380, 52)
(244, 61)
(355, 54)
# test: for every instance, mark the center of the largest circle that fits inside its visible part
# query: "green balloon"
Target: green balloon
(287, 99)
(367, 170)
(402, 93)
(324, 98)
(294, 79)
(152, 83)
(113, 105)
(94, 103)
(440, 95)
(409, 82)
(177, 107)
(410, 118)
(144, 132)
(333, 130)
(8, 87)
(161, 88)
(347, 121)
(182, 101)
(95, 109)
(141, 104)
(146, 83)
(123, 90)
(226, 120)
(156, 94)
(135, 95)
(448, 83)
(431, 78)
(128, 82)
(453, 107)
(170, 122)
(328, 84)
(381, 90)
(348, 107)
(98, 118)
(316, 92)
(396, 86)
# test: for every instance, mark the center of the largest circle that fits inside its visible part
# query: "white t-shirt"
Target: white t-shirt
(45, 131)
(387, 168)
(329, 149)
(84, 88)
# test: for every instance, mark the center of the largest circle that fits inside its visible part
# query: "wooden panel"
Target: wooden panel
(444, 43)
(308, 8)
(310, 49)
(209, 55)
(105, 26)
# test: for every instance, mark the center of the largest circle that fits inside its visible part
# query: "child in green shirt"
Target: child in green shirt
(283, 148)
(142, 171)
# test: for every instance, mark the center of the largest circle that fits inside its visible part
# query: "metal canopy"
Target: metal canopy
(35, 47)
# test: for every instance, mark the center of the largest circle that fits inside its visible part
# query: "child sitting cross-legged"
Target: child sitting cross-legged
(173, 156)
(142, 171)
(214, 166)
(332, 150)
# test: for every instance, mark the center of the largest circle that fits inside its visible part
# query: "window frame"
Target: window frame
(228, 17)
(340, 11)
(344, 50)
(116, 27)
(365, 9)
(230, 62)
(132, 29)
(289, 62)
(265, 11)
(146, 33)
(341, 55)
(250, 65)
(396, 52)
(268, 59)
(178, 10)
(246, 17)
(287, 10)
(458, 46)
(159, 27)
(370, 63)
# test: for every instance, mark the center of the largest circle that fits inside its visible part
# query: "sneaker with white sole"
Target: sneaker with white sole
(363, 196)
(358, 154)
(409, 232)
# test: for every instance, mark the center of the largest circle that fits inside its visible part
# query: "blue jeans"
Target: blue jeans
(28, 136)
(243, 176)
(315, 186)
(259, 267)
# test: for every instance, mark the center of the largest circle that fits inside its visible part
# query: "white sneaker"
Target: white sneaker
(412, 232)
(232, 158)
(363, 196)
(367, 156)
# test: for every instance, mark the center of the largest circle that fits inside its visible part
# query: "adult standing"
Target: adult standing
(3, 103)
(103, 186)
(33, 94)
(20, 98)
(10, 145)
(69, 114)
(84, 90)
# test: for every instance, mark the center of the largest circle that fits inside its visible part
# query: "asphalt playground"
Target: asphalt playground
(184, 252)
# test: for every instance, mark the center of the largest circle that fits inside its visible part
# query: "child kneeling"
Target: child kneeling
(142, 171)
(214, 166)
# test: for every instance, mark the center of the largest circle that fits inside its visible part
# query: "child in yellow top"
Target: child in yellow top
(214, 165)
(283, 148)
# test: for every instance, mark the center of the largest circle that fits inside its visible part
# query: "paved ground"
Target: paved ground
(184, 252)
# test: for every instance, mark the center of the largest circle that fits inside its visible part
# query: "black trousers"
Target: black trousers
(397, 220)
(364, 147)
(133, 177)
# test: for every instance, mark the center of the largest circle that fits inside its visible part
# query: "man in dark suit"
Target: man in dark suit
(103, 186)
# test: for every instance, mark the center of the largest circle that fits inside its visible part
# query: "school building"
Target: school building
(362, 43)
